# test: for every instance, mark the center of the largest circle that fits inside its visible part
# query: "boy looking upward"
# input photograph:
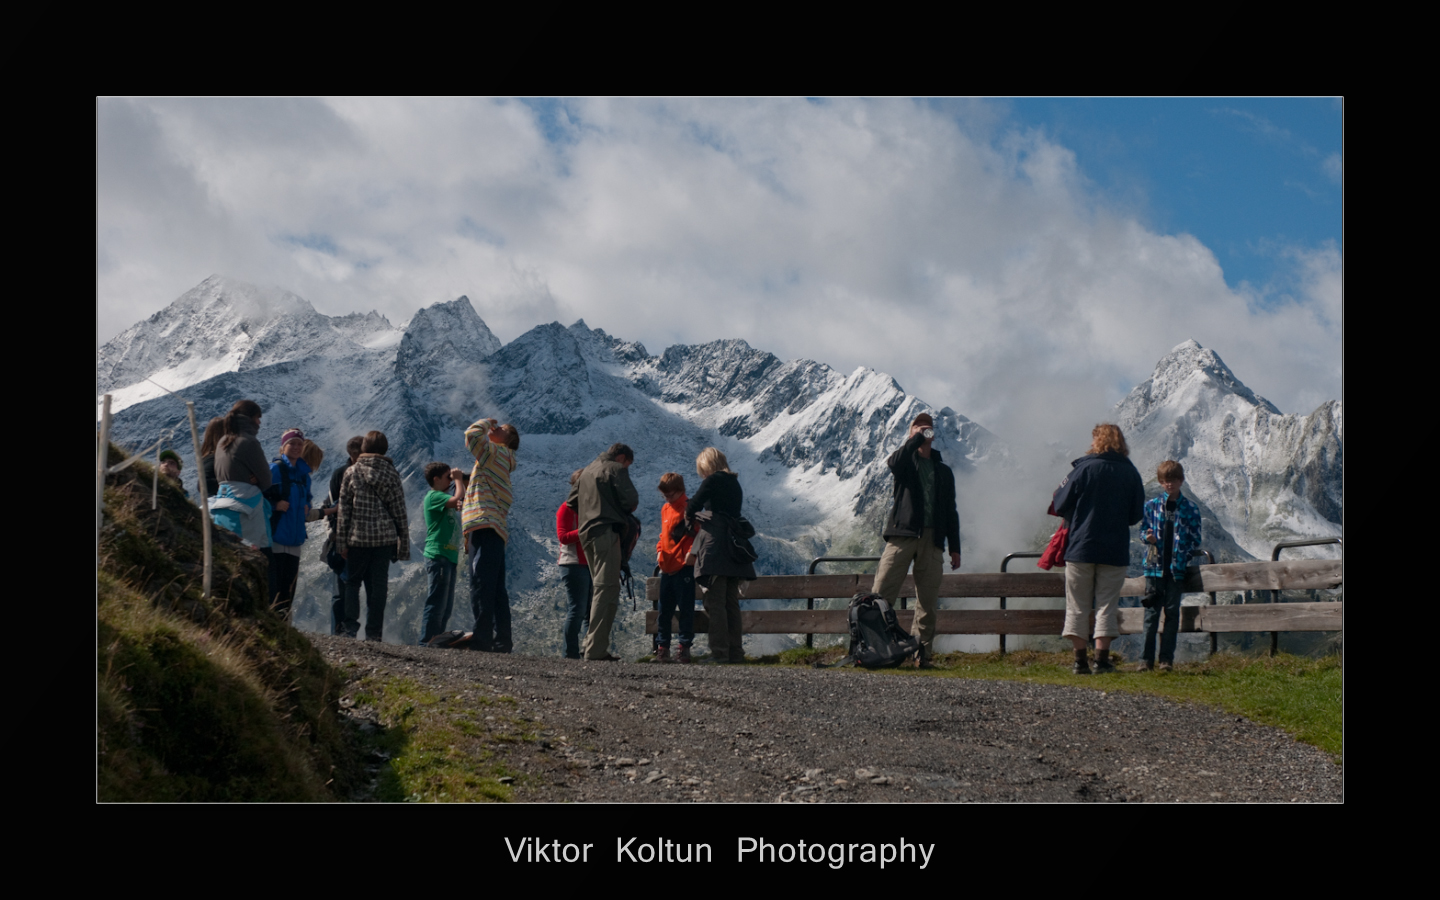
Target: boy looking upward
(442, 546)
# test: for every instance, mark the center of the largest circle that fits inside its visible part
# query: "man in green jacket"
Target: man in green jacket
(602, 497)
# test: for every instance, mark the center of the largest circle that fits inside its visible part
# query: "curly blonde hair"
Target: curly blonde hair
(1107, 438)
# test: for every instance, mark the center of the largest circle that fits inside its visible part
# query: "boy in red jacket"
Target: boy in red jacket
(677, 571)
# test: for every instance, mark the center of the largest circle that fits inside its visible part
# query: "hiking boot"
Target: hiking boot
(1166, 667)
(1081, 667)
(1103, 665)
(1143, 666)
(683, 654)
(662, 654)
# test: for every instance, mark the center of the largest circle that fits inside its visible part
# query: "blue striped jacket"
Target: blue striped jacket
(1187, 534)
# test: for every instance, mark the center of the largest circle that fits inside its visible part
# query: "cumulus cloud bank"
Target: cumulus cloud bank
(969, 258)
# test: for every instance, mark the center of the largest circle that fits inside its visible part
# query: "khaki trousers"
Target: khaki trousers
(929, 562)
(1087, 582)
(602, 551)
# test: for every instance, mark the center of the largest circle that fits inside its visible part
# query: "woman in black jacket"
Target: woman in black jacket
(719, 565)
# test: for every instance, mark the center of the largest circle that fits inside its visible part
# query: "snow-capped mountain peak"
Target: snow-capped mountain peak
(226, 325)
(1266, 476)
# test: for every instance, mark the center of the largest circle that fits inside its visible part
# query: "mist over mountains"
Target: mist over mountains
(809, 442)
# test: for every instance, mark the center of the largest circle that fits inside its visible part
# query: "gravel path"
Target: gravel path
(629, 732)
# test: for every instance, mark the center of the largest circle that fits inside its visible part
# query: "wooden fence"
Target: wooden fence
(1290, 575)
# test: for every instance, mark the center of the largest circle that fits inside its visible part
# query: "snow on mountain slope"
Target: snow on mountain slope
(223, 325)
(810, 443)
(1265, 476)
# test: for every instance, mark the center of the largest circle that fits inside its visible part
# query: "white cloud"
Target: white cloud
(1334, 168)
(972, 262)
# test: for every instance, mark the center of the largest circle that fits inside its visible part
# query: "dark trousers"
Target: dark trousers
(722, 605)
(1170, 606)
(337, 606)
(370, 567)
(488, 599)
(677, 598)
(441, 575)
(577, 611)
(283, 570)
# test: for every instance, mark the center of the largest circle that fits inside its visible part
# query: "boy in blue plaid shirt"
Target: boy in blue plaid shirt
(1171, 526)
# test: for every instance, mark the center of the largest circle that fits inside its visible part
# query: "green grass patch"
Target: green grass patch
(443, 748)
(1300, 695)
(202, 699)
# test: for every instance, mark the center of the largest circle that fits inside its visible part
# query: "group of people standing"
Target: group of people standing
(268, 505)
(703, 540)
(1100, 499)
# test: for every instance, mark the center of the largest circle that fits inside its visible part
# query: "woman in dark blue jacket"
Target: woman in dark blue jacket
(1100, 498)
(290, 475)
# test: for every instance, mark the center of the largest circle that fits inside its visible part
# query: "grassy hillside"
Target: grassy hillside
(201, 700)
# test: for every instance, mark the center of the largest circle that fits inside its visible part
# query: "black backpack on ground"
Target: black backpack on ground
(876, 641)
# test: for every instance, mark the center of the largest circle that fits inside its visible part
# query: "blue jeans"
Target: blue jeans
(488, 598)
(577, 611)
(1170, 594)
(677, 597)
(441, 575)
(370, 567)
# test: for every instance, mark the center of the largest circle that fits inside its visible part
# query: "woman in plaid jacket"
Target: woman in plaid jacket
(371, 529)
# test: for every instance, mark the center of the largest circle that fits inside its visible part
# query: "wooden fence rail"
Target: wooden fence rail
(1305, 574)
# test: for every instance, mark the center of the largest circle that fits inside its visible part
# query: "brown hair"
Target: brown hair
(375, 442)
(434, 471)
(1170, 470)
(672, 481)
(354, 446)
(512, 436)
(313, 455)
(248, 409)
(1106, 438)
(575, 475)
(213, 432)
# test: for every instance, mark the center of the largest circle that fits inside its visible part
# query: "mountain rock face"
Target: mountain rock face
(810, 443)
(1265, 476)
(222, 325)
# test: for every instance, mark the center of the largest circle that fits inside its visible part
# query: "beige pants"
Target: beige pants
(1087, 582)
(929, 565)
(602, 551)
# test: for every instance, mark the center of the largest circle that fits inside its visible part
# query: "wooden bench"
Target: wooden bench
(1304, 574)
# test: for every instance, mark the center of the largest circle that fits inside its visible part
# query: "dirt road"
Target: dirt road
(630, 732)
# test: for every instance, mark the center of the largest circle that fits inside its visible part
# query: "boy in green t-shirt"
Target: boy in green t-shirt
(442, 546)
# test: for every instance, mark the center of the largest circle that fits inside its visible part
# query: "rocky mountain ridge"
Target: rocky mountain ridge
(809, 441)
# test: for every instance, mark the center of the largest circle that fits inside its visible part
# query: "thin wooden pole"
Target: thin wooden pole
(102, 462)
(204, 497)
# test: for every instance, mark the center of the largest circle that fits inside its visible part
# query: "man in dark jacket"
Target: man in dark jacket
(602, 497)
(332, 505)
(922, 519)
